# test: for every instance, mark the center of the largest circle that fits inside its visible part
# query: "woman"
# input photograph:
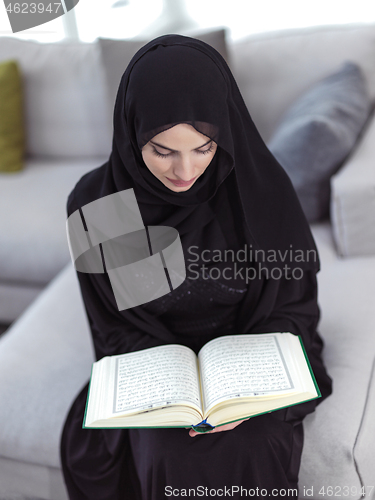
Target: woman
(185, 142)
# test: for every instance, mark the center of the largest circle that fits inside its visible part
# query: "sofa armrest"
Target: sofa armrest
(353, 200)
(322, 233)
(339, 440)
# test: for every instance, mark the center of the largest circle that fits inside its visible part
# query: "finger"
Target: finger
(193, 433)
(227, 427)
(221, 428)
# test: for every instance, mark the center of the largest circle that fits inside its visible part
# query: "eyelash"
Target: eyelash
(160, 155)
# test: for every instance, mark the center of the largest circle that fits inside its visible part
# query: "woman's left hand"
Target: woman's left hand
(227, 427)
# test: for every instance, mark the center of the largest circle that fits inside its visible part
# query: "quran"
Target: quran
(233, 377)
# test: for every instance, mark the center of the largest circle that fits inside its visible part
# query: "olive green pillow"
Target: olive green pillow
(12, 135)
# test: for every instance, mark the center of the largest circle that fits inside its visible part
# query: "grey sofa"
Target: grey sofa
(46, 356)
(67, 134)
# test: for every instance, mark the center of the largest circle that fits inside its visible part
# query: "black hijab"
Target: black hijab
(244, 196)
(176, 79)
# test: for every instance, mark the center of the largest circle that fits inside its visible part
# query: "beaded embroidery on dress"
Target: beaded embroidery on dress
(201, 306)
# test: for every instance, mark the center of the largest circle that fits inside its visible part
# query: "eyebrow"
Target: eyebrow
(174, 150)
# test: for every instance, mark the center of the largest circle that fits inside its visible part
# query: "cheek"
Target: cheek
(205, 161)
(154, 164)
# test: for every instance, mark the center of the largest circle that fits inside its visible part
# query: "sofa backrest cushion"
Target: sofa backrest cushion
(65, 97)
(273, 69)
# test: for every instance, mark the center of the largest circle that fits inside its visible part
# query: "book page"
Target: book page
(242, 366)
(156, 377)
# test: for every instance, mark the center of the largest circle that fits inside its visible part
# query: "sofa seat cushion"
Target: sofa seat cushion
(14, 299)
(335, 451)
(45, 359)
(33, 241)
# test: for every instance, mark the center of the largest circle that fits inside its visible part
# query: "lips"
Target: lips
(182, 183)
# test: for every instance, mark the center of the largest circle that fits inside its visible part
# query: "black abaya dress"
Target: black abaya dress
(244, 195)
(263, 452)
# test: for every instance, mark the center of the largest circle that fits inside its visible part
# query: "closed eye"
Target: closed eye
(161, 155)
(206, 151)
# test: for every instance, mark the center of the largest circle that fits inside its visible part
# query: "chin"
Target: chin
(180, 189)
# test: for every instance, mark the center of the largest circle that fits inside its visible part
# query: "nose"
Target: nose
(183, 168)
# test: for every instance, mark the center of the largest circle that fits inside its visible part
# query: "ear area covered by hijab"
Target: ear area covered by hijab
(177, 79)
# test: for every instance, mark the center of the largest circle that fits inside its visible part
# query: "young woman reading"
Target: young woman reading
(184, 141)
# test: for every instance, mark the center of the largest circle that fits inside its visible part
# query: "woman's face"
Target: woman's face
(178, 156)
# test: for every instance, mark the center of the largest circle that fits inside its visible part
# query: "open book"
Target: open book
(232, 378)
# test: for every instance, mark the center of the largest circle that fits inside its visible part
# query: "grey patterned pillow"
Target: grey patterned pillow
(318, 132)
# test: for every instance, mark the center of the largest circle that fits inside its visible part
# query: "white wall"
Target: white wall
(149, 18)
